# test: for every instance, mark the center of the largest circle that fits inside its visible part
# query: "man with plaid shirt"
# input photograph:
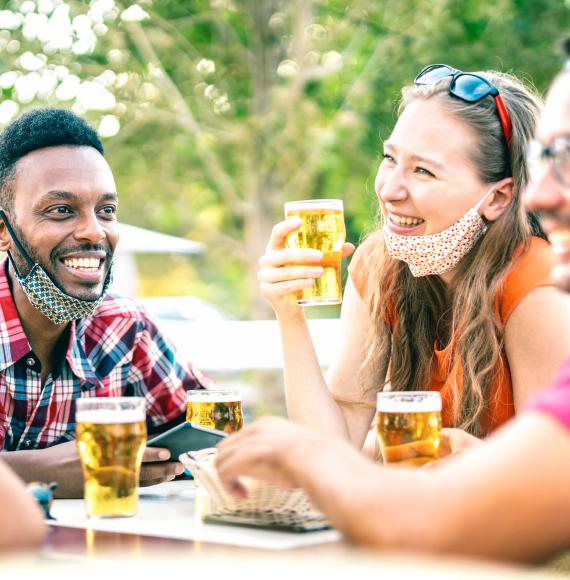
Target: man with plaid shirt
(61, 336)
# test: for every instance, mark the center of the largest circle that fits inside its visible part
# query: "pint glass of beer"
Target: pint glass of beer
(322, 229)
(409, 427)
(217, 409)
(111, 437)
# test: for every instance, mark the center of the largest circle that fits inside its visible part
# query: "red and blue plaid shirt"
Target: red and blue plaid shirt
(116, 352)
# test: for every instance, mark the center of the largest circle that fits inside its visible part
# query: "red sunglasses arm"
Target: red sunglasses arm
(504, 118)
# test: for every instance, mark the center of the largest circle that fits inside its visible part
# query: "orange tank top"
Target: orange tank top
(529, 270)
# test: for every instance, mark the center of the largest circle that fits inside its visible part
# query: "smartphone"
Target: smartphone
(187, 437)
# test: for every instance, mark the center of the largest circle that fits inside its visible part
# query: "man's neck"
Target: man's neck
(42, 334)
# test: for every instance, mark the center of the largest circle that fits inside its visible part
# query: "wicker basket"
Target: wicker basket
(266, 505)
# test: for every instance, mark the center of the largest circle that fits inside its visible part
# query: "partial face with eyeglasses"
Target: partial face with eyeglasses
(549, 188)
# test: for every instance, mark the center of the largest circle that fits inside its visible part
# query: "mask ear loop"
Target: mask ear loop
(29, 261)
(480, 202)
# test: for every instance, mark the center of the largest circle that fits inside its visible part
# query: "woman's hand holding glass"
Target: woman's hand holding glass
(455, 441)
(284, 272)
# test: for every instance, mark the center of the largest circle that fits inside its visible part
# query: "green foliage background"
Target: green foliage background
(300, 98)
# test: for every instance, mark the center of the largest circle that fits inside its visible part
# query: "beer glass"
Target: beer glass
(111, 437)
(409, 427)
(214, 408)
(322, 229)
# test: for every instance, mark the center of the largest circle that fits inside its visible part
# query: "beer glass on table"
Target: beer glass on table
(111, 438)
(408, 424)
(216, 409)
(322, 229)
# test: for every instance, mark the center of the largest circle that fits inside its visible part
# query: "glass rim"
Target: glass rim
(80, 402)
(104, 410)
(408, 401)
(314, 203)
(220, 395)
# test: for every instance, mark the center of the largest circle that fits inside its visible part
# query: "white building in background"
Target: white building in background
(202, 333)
(134, 240)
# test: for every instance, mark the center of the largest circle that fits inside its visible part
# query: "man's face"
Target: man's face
(546, 193)
(64, 214)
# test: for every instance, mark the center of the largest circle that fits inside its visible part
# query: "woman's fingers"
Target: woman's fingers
(285, 272)
(272, 275)
(347, 250)
(281, 289)
(281, 231)
(285, 257)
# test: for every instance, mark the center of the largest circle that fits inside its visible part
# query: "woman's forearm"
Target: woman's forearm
(309, 400)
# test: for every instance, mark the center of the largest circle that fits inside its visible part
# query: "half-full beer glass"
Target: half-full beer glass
(216, 409)
(322, 229)
(409, 427)
(111, 437)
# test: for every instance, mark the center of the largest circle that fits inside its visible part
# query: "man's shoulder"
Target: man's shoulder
(116, 306)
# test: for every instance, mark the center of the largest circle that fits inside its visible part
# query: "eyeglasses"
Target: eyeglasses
(468, 87)
(557, 153)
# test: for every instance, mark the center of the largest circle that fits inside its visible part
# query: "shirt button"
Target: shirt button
(28, 443)
(31, 361)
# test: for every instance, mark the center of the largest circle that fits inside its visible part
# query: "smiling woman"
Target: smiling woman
(448, 163)
(445, 295)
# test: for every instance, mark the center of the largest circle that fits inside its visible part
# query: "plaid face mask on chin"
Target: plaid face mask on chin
(54, 303)
(43, 294)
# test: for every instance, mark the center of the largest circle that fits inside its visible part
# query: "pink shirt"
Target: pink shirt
(555, 400)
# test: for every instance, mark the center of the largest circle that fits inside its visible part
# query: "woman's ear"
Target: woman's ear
(499, 200)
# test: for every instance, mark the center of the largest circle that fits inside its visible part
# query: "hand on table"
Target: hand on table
(61, 463)
(261, 450)
(58, 463)
(290, 455)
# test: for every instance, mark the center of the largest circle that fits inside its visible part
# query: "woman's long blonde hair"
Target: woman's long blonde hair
(407, 311)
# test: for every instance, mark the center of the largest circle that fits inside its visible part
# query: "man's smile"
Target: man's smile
(86, 266)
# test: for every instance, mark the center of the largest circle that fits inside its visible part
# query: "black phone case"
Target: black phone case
(186, 437)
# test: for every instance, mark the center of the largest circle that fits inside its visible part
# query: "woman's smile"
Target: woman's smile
(401, 224)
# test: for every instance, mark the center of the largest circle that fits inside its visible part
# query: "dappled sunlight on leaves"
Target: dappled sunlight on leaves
(215, 112)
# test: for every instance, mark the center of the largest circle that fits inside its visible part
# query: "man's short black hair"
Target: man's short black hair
(39, 129)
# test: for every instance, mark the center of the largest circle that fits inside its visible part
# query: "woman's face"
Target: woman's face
(426, 180)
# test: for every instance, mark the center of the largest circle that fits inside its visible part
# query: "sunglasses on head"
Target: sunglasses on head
(468, 87)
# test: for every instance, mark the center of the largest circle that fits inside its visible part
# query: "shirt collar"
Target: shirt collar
(13, 341)
(14, 344)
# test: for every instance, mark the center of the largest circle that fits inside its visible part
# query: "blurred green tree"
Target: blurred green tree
(221, 110)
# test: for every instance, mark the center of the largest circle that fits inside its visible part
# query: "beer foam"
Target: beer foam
(402, 402)
(108, 416)
(314, 204)
(214, 397)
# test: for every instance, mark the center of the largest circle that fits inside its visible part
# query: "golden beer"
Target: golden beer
(409, 427)
(111, 439)
(322, 229)
(215, 409)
